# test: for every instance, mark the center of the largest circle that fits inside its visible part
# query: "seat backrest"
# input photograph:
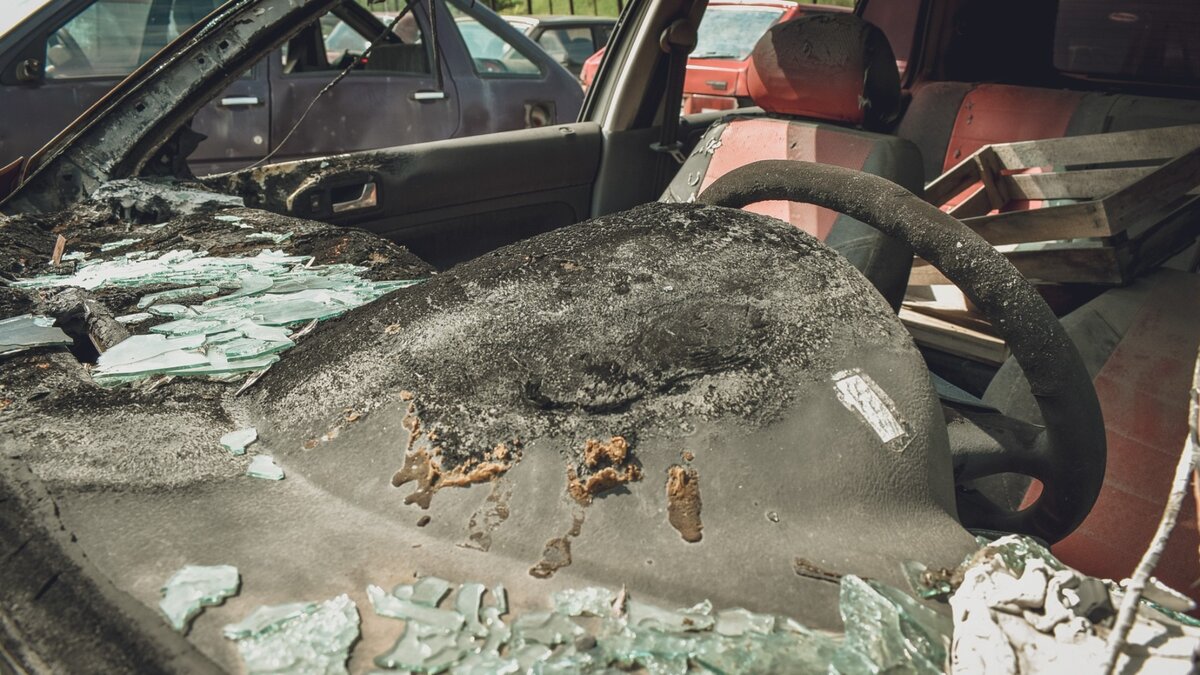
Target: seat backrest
(950, 120)
(826, 83)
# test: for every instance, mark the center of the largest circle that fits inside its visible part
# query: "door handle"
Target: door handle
(429, 95)
(237, 101)
(368, 198)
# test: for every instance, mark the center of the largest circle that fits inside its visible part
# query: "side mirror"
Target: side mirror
(30, 70)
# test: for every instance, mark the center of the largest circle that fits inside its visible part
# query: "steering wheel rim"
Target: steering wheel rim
(1069, 456)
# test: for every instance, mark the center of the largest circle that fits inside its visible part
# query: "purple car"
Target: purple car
(57, 57)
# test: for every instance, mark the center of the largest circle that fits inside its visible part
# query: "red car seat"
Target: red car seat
(828, 86)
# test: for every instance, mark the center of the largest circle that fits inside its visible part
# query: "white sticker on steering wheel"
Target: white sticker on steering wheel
(859, 393)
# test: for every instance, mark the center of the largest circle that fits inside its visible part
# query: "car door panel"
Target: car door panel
(367, 109)
(448, 201)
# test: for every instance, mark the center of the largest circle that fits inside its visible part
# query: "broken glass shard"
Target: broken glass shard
(263, 466)
(649, 616)
(170, 310)
(28, 331)
(266, 617)
(424, 653)
(738, 622)
(886, 629)
(120, 243)
(428, 591)
(177, 294)
(528, 657)
(467, 604)
(1016, 550)
(486, 664)
(385, 604)
(133, 319)
(252, 284)
(592, 601)
(315, 642)
(236, 441)
(925, 582)
(194, 587)
(269, 236)
(545, 628)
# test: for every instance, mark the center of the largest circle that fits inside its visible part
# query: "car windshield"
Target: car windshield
(730, 32)
(14, 12)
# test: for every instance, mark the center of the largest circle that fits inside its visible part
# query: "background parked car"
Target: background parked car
(54, 64)
(716, 71)
(569, 40)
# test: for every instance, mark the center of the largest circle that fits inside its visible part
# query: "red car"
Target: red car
(716, 71)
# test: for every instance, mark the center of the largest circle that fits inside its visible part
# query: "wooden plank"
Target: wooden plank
(1087, 184)
(1090, 264)
(960, 177)
(990, 175)
(1127, 208)
(947, 337)
(978, 204)
(1123, 146)
(1173, 234)
(1069, 221)
(1098, 265)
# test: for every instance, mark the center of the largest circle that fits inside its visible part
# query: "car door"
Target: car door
(391, 97)
(63, 59)
(504, 80)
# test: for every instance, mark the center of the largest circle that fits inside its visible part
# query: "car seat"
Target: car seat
(828, 87)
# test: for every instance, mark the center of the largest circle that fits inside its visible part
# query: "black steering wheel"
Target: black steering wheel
(1069, 454)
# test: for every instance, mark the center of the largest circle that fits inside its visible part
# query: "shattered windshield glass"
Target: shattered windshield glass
(731, 32)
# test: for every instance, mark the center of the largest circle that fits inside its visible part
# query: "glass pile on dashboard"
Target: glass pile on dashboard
(297, 637)
(28, 332)
(240, 331)
(598, 628)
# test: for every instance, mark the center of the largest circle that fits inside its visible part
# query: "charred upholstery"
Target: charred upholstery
(834, 121)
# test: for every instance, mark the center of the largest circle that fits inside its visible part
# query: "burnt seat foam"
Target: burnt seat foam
(834, 121)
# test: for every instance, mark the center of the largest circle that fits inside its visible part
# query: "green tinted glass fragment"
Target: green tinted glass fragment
(194, 587)
(315, 642)
(263, 466)
(236, 441)
(265, 618)
(886, 629)
(591, 601)
(386, 604)
(28, 332)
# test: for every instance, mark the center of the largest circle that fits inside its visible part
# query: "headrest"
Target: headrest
(833, 67)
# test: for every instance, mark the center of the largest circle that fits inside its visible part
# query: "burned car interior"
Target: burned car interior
(526, 391)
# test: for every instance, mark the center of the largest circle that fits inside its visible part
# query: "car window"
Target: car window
(731, 32)
(602, 35)
(1151, 41)
(344, 43)
(568, 45)
(492, 54)
(16, 11)
(112, 37)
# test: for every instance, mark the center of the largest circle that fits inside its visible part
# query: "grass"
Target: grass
(578, 7)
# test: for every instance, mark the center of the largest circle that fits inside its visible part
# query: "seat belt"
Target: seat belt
(678, 41)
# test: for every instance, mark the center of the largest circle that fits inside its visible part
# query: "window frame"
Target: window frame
(350, 14)
(531, 51)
